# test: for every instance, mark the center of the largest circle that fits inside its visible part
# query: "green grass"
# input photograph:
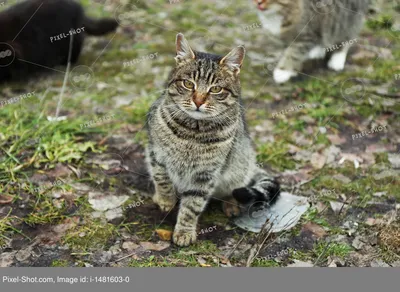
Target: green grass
(60, 263)
(95, 234)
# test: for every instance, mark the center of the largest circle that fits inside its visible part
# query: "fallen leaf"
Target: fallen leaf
(6, 199)
(6, 259)
(164, 234)
(331, 153)
(155, 246)
(67, 224)
(378, 263)
(336, 139)
(299, 264)
(202, 262)
(318, 160)
(357, 243)
(394, 159)
(320, 207)
(315, 229)
(336, 206)
(102, 201)
(351, 157)
(129, 245)
(363, 55)
(373, 221)
(379, 148)
(59, 171)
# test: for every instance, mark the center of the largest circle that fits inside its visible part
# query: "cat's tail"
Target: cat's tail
(99, 26)
(262, 188)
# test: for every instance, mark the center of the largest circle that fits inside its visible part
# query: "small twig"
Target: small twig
(71, 41)
(322, 253)
(390, 95)
(255, 250)
(81, 253)
(236, 246)
(124, 257)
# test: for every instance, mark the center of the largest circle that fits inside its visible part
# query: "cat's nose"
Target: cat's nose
(199, 99)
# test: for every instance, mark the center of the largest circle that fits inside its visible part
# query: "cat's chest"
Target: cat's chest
(271, 22)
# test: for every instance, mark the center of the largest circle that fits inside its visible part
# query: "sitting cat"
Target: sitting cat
(310, 28)
(36, 34)
(199, 147)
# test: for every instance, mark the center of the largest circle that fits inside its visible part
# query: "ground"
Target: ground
(75, 191)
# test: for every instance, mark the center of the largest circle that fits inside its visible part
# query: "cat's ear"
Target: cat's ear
(234, 59)
(183, 51)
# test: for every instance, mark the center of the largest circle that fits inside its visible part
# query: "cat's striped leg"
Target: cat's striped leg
(192, 205)
(262, 188)
(165, 195)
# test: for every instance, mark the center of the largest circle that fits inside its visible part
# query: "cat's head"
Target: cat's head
(274, 5)
(205, 85)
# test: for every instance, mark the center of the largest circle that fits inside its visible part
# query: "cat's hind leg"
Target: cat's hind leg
(338, 59)
(292, 61)
(317, 52)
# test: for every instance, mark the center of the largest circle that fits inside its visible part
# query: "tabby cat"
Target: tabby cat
(34, 34)
(199, 147)
(311, 28)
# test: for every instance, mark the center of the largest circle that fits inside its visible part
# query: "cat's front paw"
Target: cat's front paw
(165, 203)
(184, 237)
(282, 76)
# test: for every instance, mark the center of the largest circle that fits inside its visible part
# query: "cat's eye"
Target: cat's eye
(216, 89)
(188, 84)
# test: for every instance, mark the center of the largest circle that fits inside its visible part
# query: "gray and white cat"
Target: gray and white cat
(199, 147)
(311, 28)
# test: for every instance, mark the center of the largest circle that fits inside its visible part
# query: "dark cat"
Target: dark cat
(36, 34)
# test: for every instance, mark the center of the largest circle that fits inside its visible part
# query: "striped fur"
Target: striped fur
(311, 27)
(196, 153)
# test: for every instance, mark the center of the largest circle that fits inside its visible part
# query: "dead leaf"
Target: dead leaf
(315, 229)
(318, 160)
(394, 159)
(336, 139)
(165, 235)
(67, 224)
(373, 221)
(101, 201)
(299, 264)
(363, 55)
(320, 207)
(129, 245)
(379, 148)
(59, 171)
(351, 157)
(6, 259)
(6, 199)
(331, 153)
(161, 245)
(336, 206)
(202, 262)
